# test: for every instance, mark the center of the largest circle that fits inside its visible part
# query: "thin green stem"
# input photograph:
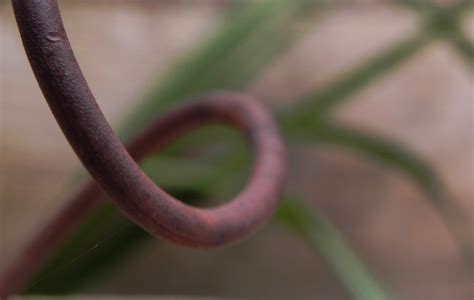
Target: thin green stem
(318, 232)
(395, 156)
(325, 100)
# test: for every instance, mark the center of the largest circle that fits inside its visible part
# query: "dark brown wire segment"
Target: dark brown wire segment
(115, 170)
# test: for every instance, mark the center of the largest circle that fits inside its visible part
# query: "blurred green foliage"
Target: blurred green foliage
(316, 230)
(252, 36)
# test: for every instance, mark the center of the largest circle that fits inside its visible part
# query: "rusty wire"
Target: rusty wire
(114, 168)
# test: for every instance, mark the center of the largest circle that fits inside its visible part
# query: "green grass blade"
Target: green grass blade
(107, 239)
(461, 7)
(324, 237)
(373, 147)
(76, 267)
(202, 69)
(326, 99)
(265, 45)
(463, 46)
(395, 156)
(421, 7)
(183, 78)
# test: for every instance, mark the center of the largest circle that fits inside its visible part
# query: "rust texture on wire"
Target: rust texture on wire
(115, 170)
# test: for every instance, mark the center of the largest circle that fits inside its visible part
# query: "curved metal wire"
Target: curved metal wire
(115, 170)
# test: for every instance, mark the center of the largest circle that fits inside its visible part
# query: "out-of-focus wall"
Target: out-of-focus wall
(426, 103)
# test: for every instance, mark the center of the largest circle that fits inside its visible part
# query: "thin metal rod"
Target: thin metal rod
(115, 170)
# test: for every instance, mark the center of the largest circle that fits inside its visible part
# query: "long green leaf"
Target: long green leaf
(202, 70)
(445, 22)
(463, 46)
(95, 248)
(422, 7)
(374, 147)
(321, 102)
(320, 234)
(395, 156)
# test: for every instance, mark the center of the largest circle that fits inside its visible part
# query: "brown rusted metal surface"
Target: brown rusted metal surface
(115, 170)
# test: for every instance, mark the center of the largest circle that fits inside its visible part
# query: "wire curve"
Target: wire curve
(115, 170)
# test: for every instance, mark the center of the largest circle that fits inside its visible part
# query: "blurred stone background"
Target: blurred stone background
(426, 104)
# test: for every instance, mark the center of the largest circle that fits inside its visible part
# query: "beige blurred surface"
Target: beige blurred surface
(426, 104)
